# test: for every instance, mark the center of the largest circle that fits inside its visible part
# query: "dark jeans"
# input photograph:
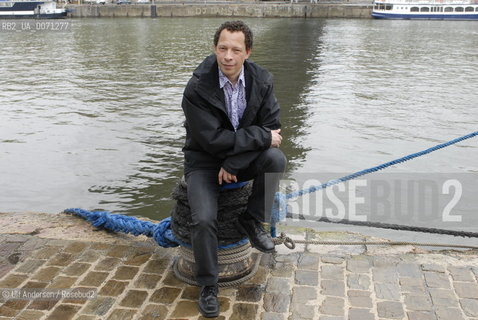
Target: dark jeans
(203, 193)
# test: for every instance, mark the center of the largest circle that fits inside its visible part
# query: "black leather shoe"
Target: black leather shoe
(208, 304)
(259, 238)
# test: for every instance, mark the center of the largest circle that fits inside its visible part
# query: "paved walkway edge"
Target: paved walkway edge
(132, 277)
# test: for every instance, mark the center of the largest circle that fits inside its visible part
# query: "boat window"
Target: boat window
(459, 9)
(448, 9)
(424, 9)
(469, 9)
(414, 9)
(388, 7)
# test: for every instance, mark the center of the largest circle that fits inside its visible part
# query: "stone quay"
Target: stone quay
(132, 277)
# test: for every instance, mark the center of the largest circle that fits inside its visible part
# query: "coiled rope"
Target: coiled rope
(161, 232)
(222, 284)
(226, 256)
(279, 209)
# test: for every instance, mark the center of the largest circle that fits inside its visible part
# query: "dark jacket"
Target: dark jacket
(211, 141)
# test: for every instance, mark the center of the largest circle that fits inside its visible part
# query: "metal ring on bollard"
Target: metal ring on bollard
(283, 239)
(289, 243)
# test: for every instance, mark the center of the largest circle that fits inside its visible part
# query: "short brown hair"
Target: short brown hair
(235, 26)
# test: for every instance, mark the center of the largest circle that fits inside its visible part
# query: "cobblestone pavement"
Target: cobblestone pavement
(133, 278)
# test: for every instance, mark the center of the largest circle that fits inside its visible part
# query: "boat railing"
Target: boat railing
(5, 1)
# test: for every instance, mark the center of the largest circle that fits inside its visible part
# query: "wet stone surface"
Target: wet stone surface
(358, 281)
(250, 293)
(244, 311)
(99, 306)
(134, 280)
(147, 281)
(113, 288)
(390, 309)
(192, 293)
(185, 309)
(76, 269)
(122, 314)
(134, 299)
(278, 285)
(283, 269)
(29, 266)
(154, 312)
(276, 302)
(64, 312)
(107, 264)
(125, 273)
(333, 306)
(165, 295)
(303, 277)
(308, 261)
(272, 316)
(304, 294)
(332, 288)
(94, 279)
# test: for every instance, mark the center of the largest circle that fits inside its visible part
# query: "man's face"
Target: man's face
(231, 53)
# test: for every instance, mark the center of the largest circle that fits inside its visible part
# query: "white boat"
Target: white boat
(20, 9)
(426, 9)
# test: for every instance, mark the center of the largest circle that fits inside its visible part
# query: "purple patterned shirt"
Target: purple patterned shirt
(235, 96)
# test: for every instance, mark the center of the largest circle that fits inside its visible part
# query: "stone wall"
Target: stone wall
(283, 10)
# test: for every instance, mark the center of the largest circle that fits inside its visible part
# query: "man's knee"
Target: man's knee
(275, 160)
(204, 224)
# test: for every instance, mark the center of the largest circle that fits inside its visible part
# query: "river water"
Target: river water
(91, 117)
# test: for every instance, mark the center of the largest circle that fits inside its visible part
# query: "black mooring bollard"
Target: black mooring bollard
(236, 262)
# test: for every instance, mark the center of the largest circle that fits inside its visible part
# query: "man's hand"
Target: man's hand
(225, 176)
(276, 138)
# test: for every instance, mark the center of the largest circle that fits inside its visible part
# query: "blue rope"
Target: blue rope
(161, 232)
(163, 235)
(279, 209)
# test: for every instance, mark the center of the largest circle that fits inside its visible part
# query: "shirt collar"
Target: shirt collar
(223, 79)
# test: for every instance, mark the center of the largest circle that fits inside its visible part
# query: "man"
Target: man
(232, 134)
